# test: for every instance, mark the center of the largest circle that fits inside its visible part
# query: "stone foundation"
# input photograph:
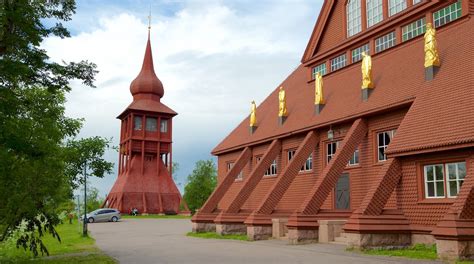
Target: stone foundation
(231, 229)
(329, 229)
(279, 228)
(302, 236)
(357, 240)
(453, 250)
(259, 232)
(422, 239)
(204, 227)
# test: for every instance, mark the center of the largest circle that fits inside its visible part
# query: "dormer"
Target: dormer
(346, 28)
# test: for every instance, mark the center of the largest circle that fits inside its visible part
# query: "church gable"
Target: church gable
(333, 32)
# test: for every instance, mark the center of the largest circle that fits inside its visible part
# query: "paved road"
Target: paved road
(164, 241)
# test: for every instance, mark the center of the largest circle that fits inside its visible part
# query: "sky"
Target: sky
(213, 58)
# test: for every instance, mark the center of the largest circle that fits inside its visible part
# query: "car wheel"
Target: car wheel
(114, 219)
(90, 220)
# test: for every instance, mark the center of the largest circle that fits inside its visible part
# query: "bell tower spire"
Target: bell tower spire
(146, 84)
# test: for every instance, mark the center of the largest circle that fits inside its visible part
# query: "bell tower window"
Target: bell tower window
(137, 123)
(374, 12)
(151, 124)
(354, 17)
(164, 126)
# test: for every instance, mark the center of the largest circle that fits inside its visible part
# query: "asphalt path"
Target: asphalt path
(165, 241)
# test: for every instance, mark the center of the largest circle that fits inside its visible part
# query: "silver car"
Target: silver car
(103, 215)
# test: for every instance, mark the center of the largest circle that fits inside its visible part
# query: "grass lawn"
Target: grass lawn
(72, 242)
(415, 252)
(156, 217)
(212, 235)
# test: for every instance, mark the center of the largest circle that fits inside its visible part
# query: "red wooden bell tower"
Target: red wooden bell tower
(145, 159)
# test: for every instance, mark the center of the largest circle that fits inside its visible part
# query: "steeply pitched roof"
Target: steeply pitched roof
(399, 77)
(443, 113)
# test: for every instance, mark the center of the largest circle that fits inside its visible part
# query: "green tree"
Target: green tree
(34, 174)
(200, 184)
(84, 157)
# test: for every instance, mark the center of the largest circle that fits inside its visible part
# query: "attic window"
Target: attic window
(396, 6)
(354, 17)
(385, 42)
(414, 29)
(338, 62)
(374, 12)
(357, 53)
(447, 14)
(321, 68)
(417, 1)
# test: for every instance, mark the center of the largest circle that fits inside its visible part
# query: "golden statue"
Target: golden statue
(282, 103)
(318, 89)
(253, 115)
(367, 81)
(431, 47)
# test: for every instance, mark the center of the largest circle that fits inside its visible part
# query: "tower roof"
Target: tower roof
(147, 83)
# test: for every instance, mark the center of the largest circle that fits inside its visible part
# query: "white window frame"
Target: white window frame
(458, 178)
(230, 165)
(385, 42)
(435, 181)
(355, 159)
(308, 165)
(451, 13)
(338, 62)
(321, 68)
(357, 53)
(396, 6)
(417, 2)
(384, 145)
(374, 9)
(291, 154)
(330, 152)
(354, 17)
(414, 29)
(164, 125)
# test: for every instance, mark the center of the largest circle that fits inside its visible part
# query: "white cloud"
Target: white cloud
(212, 58)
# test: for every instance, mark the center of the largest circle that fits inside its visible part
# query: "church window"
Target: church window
(447, 14)
(417, 1)
(374, 12)
(414, 29)
(338, 62)
(396, 6)
(164, 126)
(307, 166)
(151, 124)
(331, 150)
(230, 165)
(137, 123)
(355, 158)
(272, 170)
(357, 53)
(444, 180)
(354, 17)
(321, 68)
(383, 140)
(385, 42)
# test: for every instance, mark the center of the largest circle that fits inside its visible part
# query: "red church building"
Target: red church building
(388, 164)
(145, 163)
